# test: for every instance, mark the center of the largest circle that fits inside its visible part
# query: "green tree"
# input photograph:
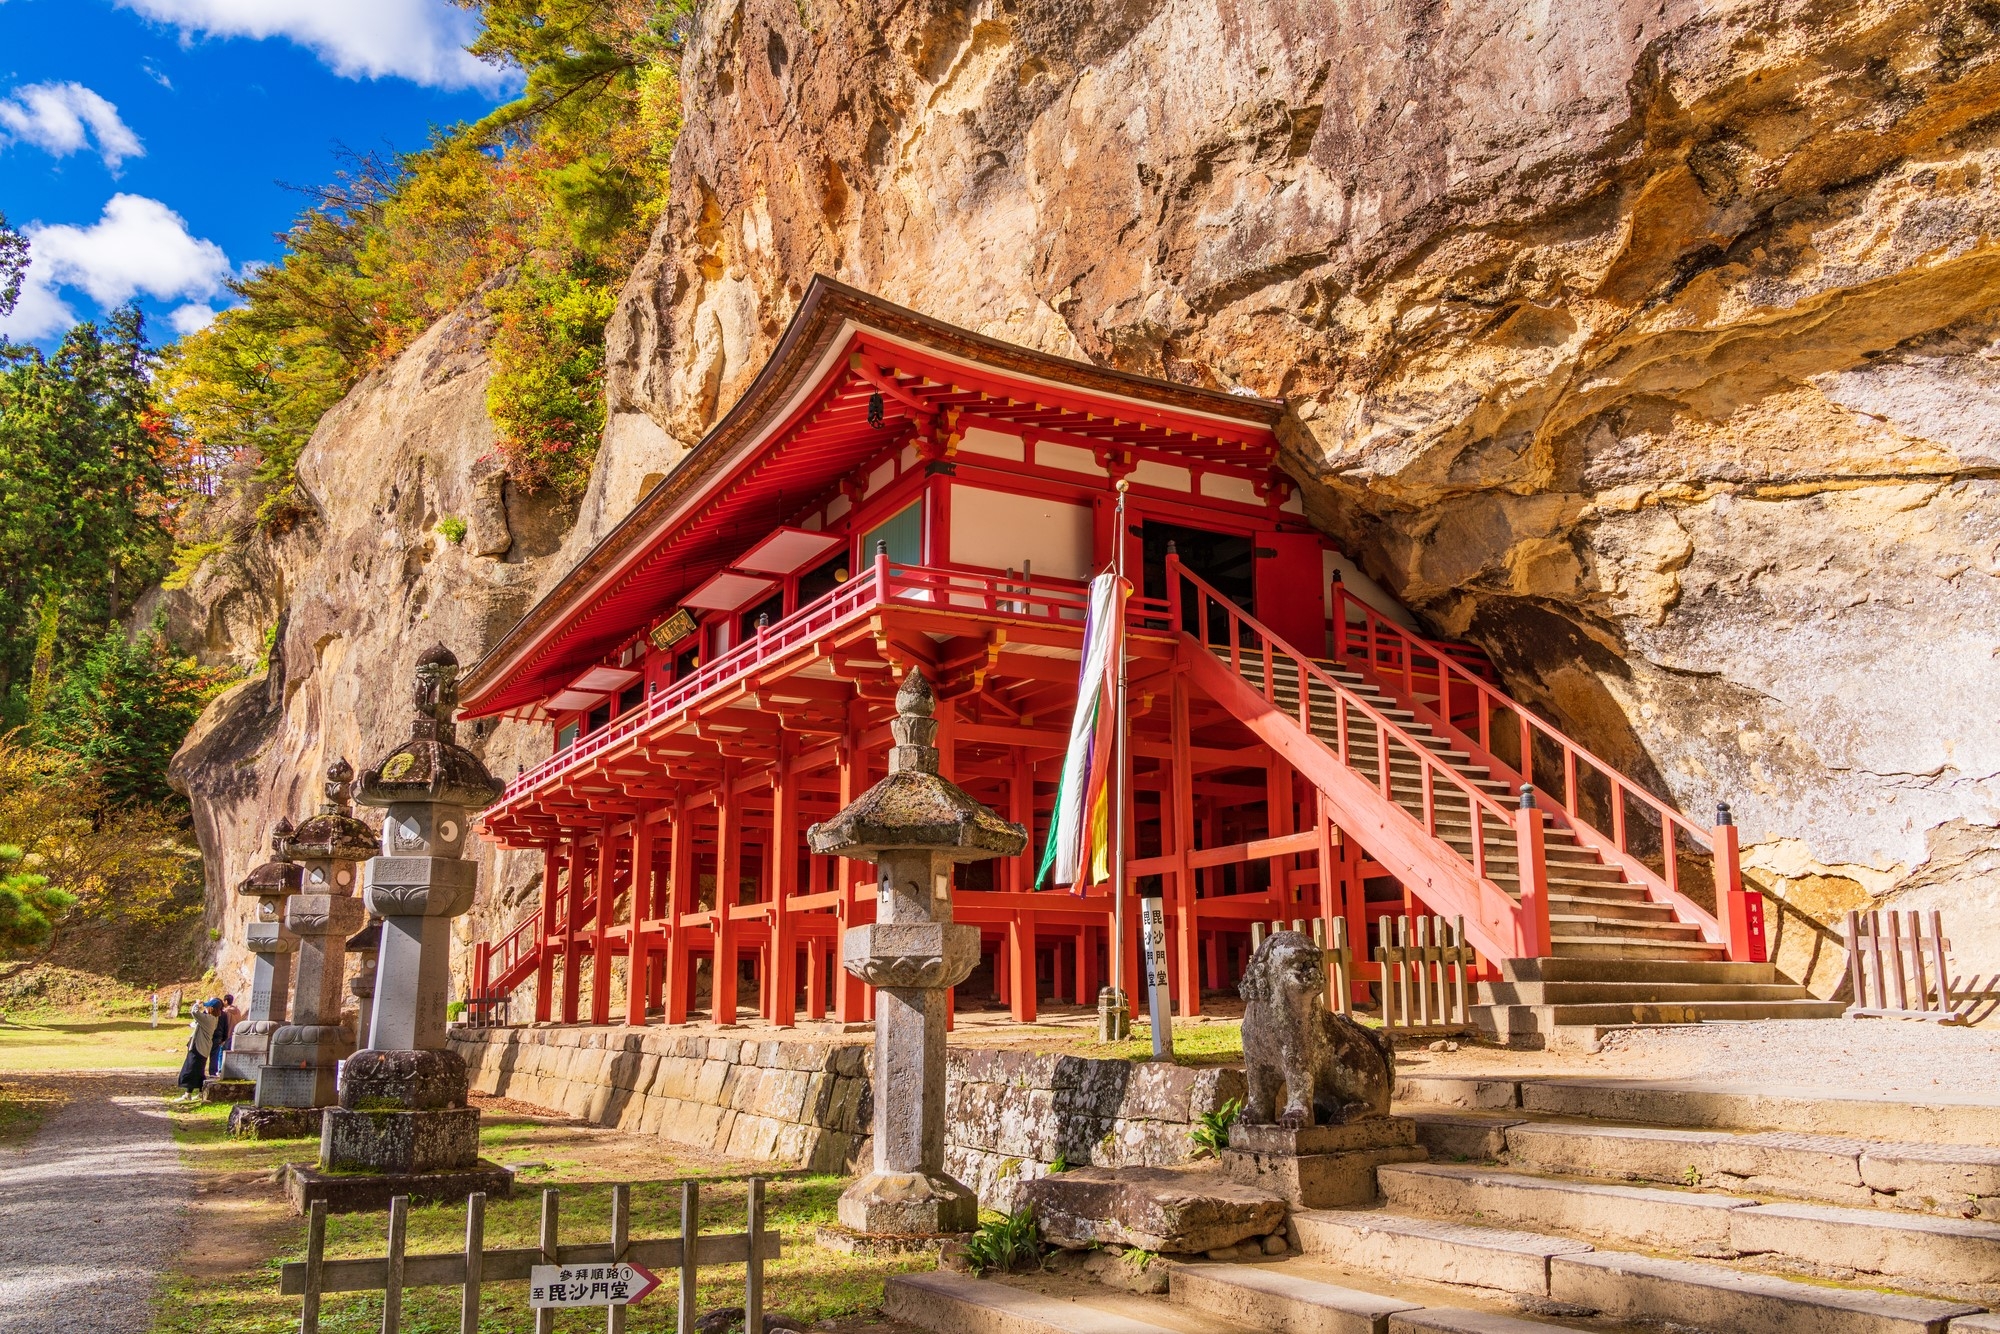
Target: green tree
(29, 906)
(82, 490)
(123, 708)
(13, 266)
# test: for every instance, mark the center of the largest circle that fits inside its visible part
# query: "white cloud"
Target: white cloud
(138, 245)
(63, 118)
(420, 40)
(192, 318)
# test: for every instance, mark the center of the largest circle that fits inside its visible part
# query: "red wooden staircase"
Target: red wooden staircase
(1434, 771)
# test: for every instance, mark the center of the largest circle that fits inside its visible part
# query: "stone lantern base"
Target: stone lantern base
(402, 1128)
(909, 1204)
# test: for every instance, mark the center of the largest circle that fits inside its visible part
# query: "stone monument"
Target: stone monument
(302, 1068)
(1319, 1145)
(363, 945)
(914, 825)
(270, 976)
(403, 1126)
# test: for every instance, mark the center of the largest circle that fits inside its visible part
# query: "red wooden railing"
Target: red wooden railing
(881, 583)
(1501, 926)
(1468, 709)
(504, 964)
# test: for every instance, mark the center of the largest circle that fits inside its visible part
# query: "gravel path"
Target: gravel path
(101, 1185)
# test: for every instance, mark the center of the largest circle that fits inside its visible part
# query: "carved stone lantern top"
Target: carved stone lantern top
(431, 766)
(915, 809)
(335, 834)
(278, 877)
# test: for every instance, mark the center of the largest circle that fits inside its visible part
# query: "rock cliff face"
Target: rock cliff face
(1651, 345)
(356, 594)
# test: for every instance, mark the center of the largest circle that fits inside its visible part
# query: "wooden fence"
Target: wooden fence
(475, 1266)
(1425, 982)
(1897, 969)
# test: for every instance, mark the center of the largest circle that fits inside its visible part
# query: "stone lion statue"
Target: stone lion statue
(1331, 1069)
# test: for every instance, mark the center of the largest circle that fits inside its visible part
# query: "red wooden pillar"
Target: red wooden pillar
(680, 903)
(657, 909)
(545, 959)
(642, 897)
(572, 947)
(849, 999)
(607, 903)
(783, 854)
(728, 888)
(1187, 916)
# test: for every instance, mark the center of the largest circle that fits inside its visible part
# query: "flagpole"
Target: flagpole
(1121, 1011)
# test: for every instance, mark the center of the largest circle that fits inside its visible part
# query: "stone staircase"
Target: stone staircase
(1526, 1222)
(1620, 958)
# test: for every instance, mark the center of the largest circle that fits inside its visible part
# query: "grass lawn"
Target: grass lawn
(64, 1042)
(238, 1292)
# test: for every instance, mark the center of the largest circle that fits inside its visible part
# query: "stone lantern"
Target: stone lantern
(403, 1127)
(303, 1066)
(914, 825)
(272, 946)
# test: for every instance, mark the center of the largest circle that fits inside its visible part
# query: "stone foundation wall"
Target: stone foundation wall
(1011, 1115)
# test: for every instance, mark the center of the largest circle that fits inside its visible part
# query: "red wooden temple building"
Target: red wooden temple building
(894, 493)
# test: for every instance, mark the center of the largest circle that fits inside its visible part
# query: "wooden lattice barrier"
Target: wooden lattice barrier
(475, 1266)
(1335, 948)
(1424, 982)
(1898, 968)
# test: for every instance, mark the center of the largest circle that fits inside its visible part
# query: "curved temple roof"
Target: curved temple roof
(802, 427)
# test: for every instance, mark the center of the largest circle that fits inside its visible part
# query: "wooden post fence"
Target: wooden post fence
(1338, 955)
(470, 1269)
(1424, 984)
(1898, 970)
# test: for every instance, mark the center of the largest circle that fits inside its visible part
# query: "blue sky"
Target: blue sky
(146, 145)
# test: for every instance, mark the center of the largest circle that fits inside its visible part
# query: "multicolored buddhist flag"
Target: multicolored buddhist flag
(1078, 850)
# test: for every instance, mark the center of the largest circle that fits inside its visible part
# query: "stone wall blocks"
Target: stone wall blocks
(708, 1081)
(1215, 1086)
(850, 1060)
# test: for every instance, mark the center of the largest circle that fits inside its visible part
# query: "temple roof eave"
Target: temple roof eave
(828, 313)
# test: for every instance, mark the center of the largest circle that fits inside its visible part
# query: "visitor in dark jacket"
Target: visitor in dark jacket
(225, 1028)
(201, 1040)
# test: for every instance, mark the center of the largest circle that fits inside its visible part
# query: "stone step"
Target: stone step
(1614, 970)
(1696, 1105)
(1609, 1215)
(1566, 927)
(1537, 1026)
(1684, 1294)
(1432, 1250)
(1946, 1180)
(1631, 947)
(1896, 1245)
(1636, 993)
(1712, 1297)
(948, 1303)
(1599, 908)
(1266, 1297)
(1451, 1320)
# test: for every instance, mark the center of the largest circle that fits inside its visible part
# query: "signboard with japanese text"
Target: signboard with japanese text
(589, 1285)
(1153, 940)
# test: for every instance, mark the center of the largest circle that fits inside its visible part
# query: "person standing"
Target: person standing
(225, 1029)
(201, 1040)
